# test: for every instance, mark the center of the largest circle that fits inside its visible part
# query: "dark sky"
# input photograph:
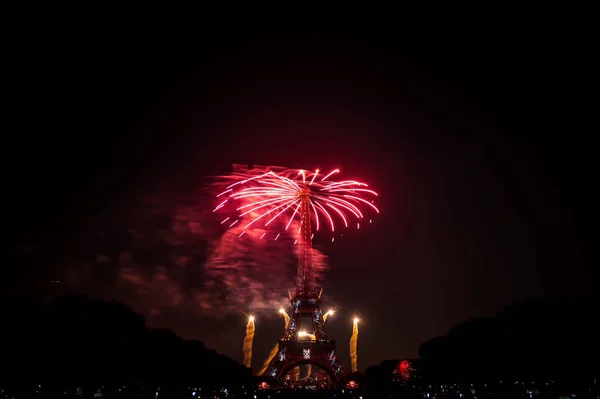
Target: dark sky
(475, 144)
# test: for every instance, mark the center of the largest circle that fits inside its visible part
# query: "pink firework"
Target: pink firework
(268, 196)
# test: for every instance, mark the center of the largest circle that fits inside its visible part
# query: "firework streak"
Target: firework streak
(264, 196)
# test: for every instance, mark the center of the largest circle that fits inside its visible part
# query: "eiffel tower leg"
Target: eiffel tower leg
(336, 364)
(276, 366)
(294, 325)
(320, 330)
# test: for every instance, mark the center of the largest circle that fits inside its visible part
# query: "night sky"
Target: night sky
(476, 147)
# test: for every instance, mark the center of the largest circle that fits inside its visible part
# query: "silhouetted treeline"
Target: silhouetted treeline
(553, 339)
(77, 341)
(379, 377)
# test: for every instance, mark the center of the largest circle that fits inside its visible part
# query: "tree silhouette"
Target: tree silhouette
(75, 341)
(538, 339)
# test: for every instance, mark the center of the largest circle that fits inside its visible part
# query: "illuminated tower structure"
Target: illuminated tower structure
(306, 315)
(266, 193)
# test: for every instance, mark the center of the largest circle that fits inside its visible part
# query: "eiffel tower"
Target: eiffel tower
(296, 349)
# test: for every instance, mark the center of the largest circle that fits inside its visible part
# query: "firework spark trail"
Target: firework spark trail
(256, 206)
(248, 342)
(263, 195)
(240, 260)
(353, 346)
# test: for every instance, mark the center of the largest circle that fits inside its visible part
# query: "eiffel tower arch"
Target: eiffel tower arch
(293, 354)
(315, 348)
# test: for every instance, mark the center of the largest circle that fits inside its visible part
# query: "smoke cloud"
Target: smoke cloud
(168, 253)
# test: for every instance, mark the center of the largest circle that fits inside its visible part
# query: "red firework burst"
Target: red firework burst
(269, 196)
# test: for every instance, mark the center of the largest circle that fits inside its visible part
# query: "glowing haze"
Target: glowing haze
(171, 253)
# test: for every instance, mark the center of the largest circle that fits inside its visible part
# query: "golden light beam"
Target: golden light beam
(353, 346)
(275, 348)
(248, 342)
(328, 314)
(285, 316)
(305, 334)
(269, 358)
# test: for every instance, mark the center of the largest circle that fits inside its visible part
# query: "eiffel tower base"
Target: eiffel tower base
(292, 354)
